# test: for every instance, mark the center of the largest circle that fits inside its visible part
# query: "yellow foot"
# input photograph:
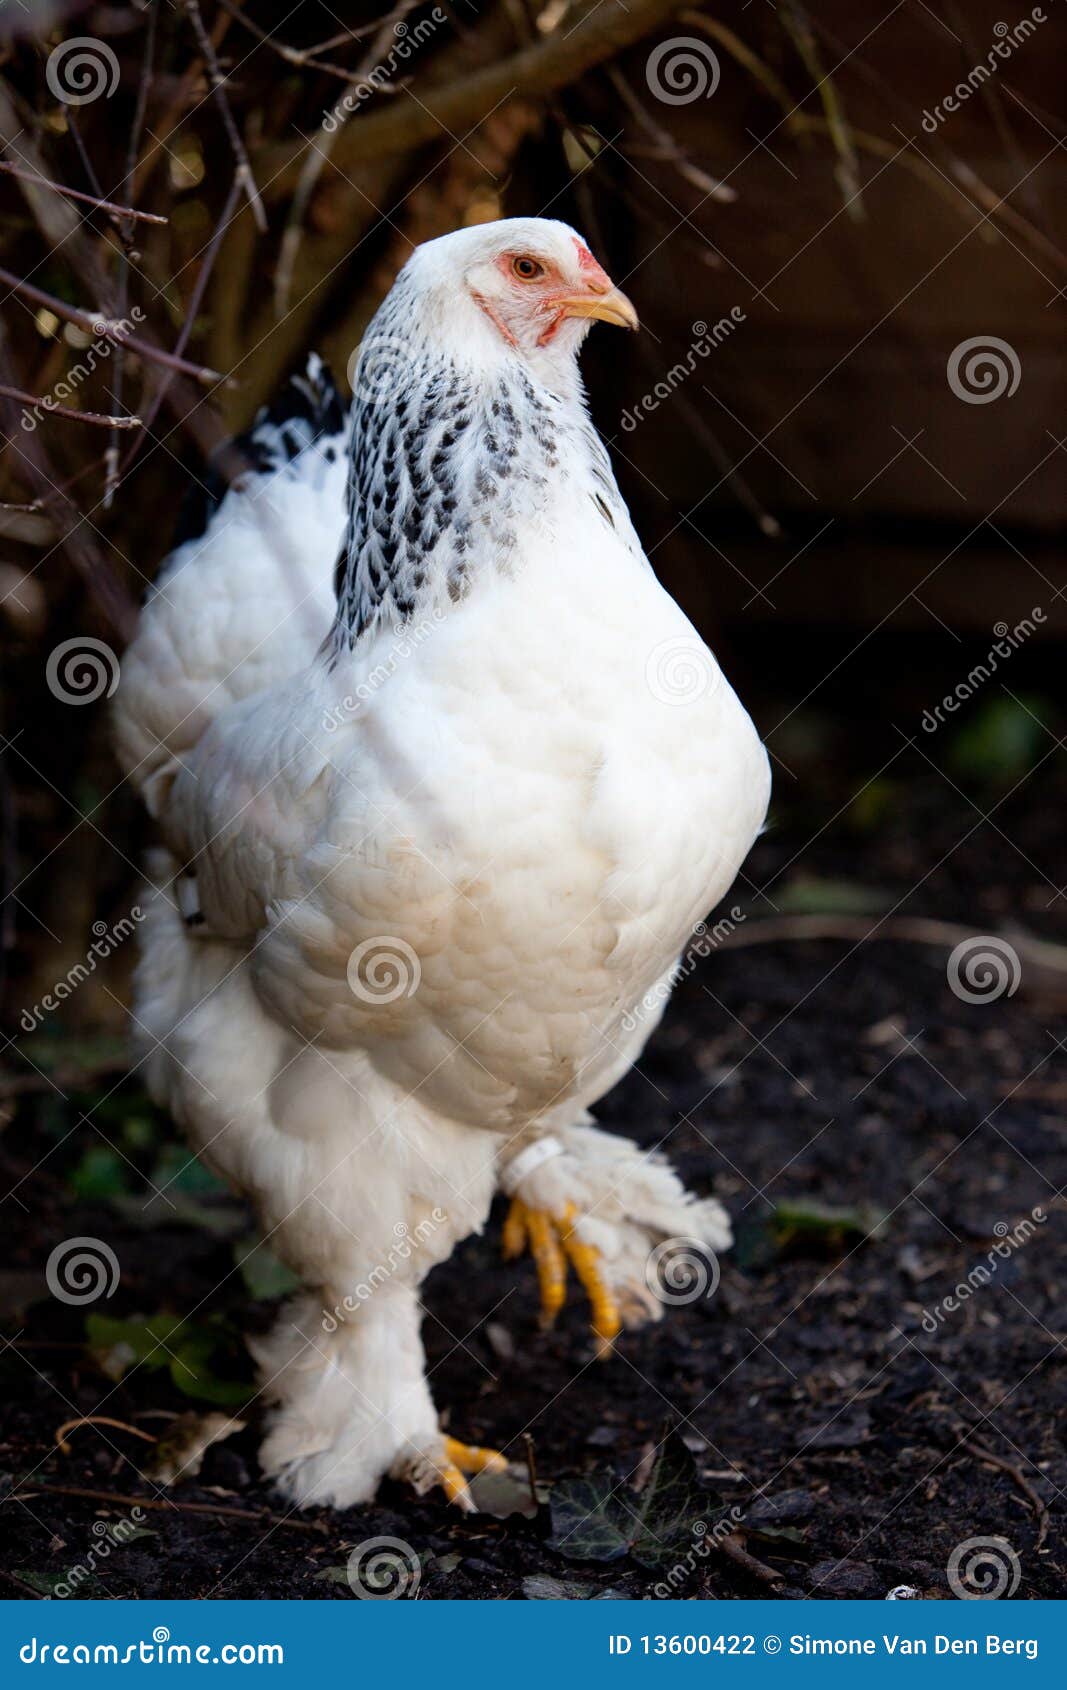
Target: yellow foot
(463, 1458)
(553, 1242)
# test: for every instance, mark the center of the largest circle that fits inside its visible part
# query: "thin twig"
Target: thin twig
(802, 124)
(76, 194)
(213, 1510)
(20, 1584)
(734, 1551)
(191, 314)
(307, 58)
(97, 1420)
(133, 147)
(98, 324)
(667, 147)
(531, 1468)
(598, 30)
(87, 165)
(760, 71)
(996, 206)
(317, 158)
(218, 88)
(98, 572)
(798, 27)
(97, 418)
(144, 83)
(1014, 1472)
(912, 929)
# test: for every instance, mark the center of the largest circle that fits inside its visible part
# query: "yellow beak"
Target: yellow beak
(610, 307)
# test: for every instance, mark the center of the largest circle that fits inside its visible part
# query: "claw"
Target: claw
(456, 1489)
(472, 1458)
(461, 1458)
(551, 1264)
(553, 1243)
(585, 1261)
(515, 1234)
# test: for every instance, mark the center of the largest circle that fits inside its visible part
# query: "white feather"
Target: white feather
(517, 808)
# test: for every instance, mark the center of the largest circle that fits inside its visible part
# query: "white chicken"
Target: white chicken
(437, 829)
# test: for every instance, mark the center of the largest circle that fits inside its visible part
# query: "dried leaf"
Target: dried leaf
(179, 1454)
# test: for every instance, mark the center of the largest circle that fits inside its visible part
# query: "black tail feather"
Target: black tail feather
(309, 407)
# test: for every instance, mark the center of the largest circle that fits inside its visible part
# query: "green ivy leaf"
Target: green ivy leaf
(191, 1352)
(599, 1519)
(192, 1368)
(116, 1345)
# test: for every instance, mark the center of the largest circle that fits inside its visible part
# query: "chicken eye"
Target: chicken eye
(527, 269)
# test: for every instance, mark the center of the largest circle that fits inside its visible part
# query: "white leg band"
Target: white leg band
(540, 1151)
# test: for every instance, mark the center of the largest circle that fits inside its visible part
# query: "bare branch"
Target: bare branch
(218, 88)
(76, 194)
(192, 311)
(598, 31)
(98, 324)
(53, 410)
(307, 58)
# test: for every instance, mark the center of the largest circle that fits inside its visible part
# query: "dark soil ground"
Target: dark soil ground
(857, 1447)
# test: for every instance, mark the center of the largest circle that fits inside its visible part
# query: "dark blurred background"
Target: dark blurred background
(846, 528)
(841, 432)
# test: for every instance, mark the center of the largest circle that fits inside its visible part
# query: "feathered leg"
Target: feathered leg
(359, 1192)
(612, 1212)
(352, 1403)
